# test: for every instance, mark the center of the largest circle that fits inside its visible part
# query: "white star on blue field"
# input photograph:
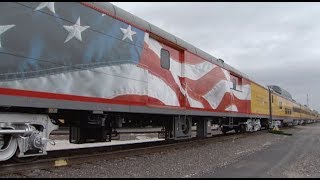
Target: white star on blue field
(75, 30)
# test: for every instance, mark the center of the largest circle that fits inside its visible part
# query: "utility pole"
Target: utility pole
(307, 100)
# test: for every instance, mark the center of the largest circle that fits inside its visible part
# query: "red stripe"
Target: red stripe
(205, 83)
(150, 60)
(242, 105)
(47, 95)
(225, 102)
(193, 59)
(140, 99)
(122, 100)
(174, 54)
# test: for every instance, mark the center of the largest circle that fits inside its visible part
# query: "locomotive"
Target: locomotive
(93, 67)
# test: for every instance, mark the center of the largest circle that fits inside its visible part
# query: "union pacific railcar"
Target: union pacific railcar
(94, 66)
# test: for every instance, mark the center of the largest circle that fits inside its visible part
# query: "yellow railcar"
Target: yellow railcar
(259, 100)
(283, 107)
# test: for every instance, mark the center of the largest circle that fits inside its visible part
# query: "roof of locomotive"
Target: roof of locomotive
(146, 26)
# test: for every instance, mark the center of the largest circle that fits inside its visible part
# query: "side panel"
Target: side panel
(275, 105)
(276, 111)
(241, 97)
(259, 100)
(282, 108)
(162, 82)
(208, 87)
(305, 112)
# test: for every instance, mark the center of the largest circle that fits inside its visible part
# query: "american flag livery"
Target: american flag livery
(206, 85)
(68, 48)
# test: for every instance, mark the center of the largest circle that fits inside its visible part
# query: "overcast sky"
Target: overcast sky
(272, 42)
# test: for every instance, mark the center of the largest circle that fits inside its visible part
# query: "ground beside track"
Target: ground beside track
(263, 155)
(293, 157)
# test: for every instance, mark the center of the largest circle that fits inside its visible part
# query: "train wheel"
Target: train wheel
(1, 141)
(8, 147)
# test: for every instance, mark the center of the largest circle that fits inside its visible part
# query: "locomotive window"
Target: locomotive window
(165, 59)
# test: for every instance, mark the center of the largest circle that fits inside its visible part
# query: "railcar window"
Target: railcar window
(280, 104)
(272, 98)
(234, 81)
(165, 59)
(288, 111)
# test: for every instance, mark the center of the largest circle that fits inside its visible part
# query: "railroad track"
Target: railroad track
(69, 157)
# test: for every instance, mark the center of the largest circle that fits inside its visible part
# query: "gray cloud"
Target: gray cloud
(272, 42)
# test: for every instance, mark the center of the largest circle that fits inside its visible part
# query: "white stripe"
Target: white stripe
(193, 102)
(191, 71)
(232, 108)
(123, 79)
(215, 95)
(158, 89)
(245, 94)
(146, 38)
(154, 46)
(226, 74)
